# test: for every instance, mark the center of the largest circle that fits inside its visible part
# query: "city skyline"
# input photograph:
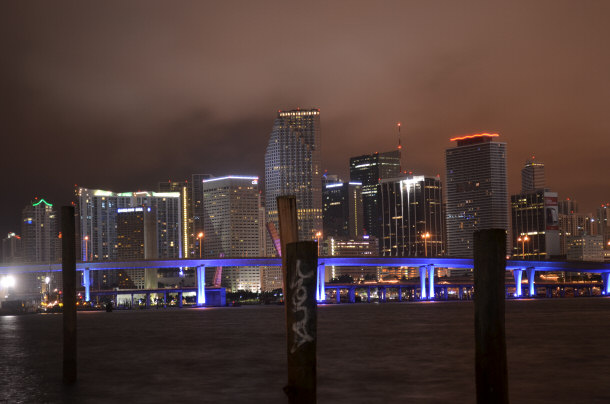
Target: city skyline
(108, 110)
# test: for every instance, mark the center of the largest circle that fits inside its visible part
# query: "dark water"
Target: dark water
(558, 351)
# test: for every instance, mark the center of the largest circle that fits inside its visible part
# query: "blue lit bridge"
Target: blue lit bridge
(427, 266)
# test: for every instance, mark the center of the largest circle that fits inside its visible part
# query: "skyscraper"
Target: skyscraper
(292, 167)
(412, 217)
(535, 225)
(39, 232)
(231, 227)
(532, 176)
(477, 195)
(369, 170)
(342, 210)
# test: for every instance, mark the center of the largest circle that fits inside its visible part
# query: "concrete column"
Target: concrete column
(422, 282)
(606, 283)
(517, 274)
(338, 296)
(368, 294)
(165, 298)
(321, 294)
(445, 293)
(430, 282)
(400, 294)
(352, 294)
(147, 297)
(575, 292)
(461, 293)
(562, 291)
(549, 292)
(381, 293)
(201, 285)
(87, 284)
(180, 299)
(531, 274)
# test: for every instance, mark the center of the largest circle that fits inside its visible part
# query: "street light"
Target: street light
(522, 240)
(200, 237)
(318, 237)
(426, 236)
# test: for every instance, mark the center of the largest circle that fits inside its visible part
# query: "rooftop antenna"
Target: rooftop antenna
(398, 125)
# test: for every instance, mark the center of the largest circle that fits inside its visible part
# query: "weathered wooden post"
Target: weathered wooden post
(490, 340)
(69, 292)
(301, 317)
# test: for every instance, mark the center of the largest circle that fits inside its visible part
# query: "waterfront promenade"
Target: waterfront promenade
(557, 352)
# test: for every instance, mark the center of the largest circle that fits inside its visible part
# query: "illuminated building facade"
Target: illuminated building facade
(11, 249)
(364, 246)
(585, 248)
(97, 211)
(369, 170)
(412, 217)
(137, 240)
(231, 227)
(342, 210)
(535, 225)
(40, 233)
(196, 203)
(477, 195)
(292, 167)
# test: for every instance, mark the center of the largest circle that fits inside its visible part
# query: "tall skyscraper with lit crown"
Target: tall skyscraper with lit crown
(477, 193)
(292, 167)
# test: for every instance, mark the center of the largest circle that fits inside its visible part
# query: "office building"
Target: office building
(342, 210)
(535, 225)
(137, 240)
(477, 195)
(232, 228)
(40, 233)
(363, 246)
(11, 249)
(585, 248)
(412, 217)
(98, 209)
(532, 176)
(292, 167)
(369, 170)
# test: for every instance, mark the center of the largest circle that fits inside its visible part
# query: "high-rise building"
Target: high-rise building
(585, 248)
(98, 221)
(292, 167)
(196, 198)
(477, 195)
(11, 248)
(40, 233)
(364, 246)
(231, 227)
(137, 240)
(186, 213)
(369, 170)
(342, 210)
(532, 176)
(567, 206)
(603, 223)
(412, 217)
(535, 225)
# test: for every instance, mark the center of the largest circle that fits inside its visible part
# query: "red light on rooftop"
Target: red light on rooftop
(474, 136)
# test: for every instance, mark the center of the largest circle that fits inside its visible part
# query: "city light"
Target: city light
(8, 282)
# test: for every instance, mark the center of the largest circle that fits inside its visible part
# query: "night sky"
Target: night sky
(120, 95)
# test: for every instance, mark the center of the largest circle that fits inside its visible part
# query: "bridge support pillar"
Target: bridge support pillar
(549, 292)
(400, 294)
(422, 281)
(201, 285)
(431, 293)
(562, 291)
(517, 274)
(381, 294)
(461, 293)
(165, 298)
(605, 283)
(368, 294)
(531, 275)
(147, 300)
(338, 295)
(87, 284)
(445, 293)
(352, 294)
(180, 299)
(321, 291)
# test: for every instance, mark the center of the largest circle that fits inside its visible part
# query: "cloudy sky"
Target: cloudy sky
(120, 95)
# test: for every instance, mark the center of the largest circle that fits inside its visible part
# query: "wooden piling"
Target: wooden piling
(301, 317)
(69, 293)
(490, 339)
